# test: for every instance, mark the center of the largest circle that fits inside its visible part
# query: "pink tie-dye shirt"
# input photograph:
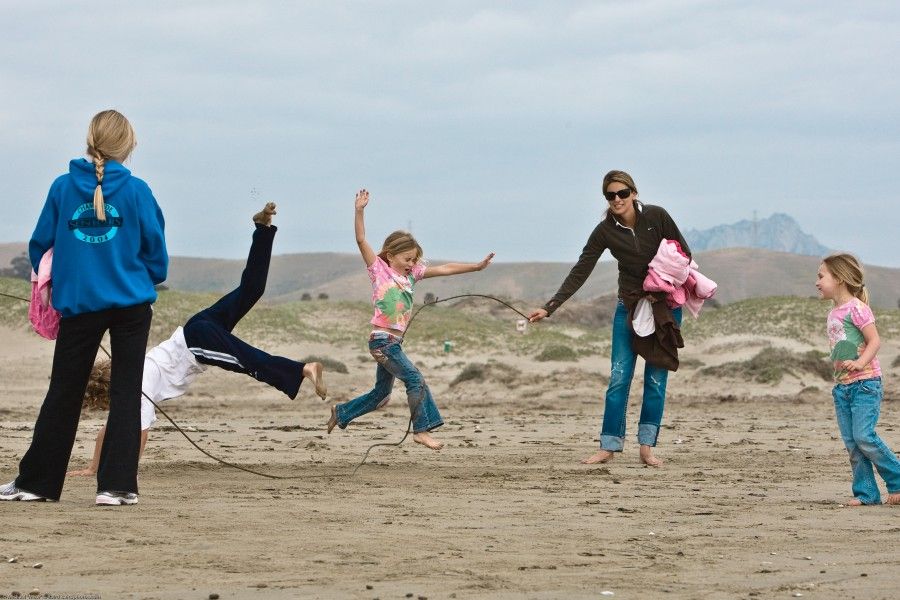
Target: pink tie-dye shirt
(845, 324)
(392, 294)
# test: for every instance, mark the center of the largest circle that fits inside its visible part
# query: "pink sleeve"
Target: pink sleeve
(861, 315)
(376, 269)
(418, 270)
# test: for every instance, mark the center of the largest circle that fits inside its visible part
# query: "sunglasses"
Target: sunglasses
(622, 194)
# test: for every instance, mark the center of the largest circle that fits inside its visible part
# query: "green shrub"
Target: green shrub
(770, 365)
(330, 364)
(557, 352)
(490, 371)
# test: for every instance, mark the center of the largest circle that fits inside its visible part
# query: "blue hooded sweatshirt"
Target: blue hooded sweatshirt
(99, 265)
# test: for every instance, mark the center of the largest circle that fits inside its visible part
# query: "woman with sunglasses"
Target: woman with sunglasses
(632, 232)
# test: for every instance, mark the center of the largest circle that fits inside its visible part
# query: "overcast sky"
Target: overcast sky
(482, 126)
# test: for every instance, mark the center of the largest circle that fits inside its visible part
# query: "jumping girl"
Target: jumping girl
(394, 272)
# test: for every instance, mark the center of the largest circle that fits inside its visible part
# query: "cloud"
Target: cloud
(469, 108)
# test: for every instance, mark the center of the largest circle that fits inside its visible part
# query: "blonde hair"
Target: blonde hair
(110, 137)
(847, 269)
(398, 242)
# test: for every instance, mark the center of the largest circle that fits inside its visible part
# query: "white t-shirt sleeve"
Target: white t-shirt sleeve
(149, 386)
(148, 414)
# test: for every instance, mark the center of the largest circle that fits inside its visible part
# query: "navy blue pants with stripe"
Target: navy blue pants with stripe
(208, 333)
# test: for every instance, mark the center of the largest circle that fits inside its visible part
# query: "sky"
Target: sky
(481, 126)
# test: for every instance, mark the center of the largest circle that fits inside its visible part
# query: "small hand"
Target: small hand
(537, 315)
(81, 473)
(487, 260)
(853, 365)
(362, 199)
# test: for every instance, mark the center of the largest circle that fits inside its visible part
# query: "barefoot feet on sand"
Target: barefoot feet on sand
(332, 420)
(264, 217)
(854, 502)
(426, 440)
(313, 372)
(893, 498)
(602, 456)
(647, 457)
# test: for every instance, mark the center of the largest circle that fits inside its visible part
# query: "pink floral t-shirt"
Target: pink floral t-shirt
(392, 294)
(845, 324)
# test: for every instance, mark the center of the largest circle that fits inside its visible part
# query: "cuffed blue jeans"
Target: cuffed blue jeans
(857, 406)
(393, 364)
(612, 435)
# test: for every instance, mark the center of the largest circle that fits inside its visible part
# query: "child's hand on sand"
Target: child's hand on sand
(81, 472)
(362, 199)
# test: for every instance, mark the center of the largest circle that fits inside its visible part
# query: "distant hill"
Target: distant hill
(740, 272)
(780, 232)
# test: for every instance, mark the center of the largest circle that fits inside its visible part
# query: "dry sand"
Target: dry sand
(747, 504)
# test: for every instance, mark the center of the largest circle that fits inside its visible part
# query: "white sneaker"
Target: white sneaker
(116, 498)
(11, 492)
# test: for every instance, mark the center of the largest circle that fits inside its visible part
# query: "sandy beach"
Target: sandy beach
(747, 504)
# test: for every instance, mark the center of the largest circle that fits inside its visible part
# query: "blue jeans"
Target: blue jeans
(612, 436)
(857, 406)
(393, 363)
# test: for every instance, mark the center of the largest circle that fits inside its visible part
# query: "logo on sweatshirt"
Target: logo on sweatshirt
(88, 228)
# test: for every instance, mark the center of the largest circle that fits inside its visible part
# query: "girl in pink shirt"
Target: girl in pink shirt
(394, 272)
(857, 394)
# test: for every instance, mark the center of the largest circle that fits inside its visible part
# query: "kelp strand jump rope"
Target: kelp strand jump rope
(366, 455)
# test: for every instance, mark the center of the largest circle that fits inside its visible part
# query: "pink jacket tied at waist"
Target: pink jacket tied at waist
(673, 272)
(44, 318)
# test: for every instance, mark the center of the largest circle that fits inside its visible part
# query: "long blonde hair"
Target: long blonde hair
(397, 242)
(110, 137)
(847, 269)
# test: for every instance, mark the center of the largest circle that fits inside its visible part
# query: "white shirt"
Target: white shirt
(169, 369)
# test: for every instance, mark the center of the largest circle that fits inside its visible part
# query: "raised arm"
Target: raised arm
(457, 268)
(362, 199)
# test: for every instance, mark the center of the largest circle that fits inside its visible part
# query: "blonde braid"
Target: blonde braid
(99, 206)
(99, 162)
(110, 137)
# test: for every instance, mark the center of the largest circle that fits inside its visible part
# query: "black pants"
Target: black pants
(208, 333)
(43, 468)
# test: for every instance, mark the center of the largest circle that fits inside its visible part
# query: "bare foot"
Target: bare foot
(332, 421)
(264, 217)
(313, 372)
(602, 456)
(81, 473)
(854, 502)
(893, 498)
(426, 440)
(647, 457)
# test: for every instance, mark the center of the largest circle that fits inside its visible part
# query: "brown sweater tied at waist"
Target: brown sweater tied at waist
(660, 348)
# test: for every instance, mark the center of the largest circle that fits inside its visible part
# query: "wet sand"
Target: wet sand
(747, 504)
